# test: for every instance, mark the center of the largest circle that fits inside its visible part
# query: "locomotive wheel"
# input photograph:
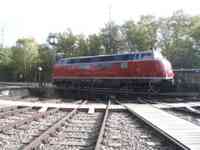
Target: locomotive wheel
(153, 88)
(167, 86)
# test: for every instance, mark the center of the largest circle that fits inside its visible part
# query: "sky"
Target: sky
(37, 18)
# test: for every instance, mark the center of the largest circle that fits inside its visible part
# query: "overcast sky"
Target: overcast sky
(36, 18)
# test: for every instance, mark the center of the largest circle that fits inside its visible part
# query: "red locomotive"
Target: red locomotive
(136, 70)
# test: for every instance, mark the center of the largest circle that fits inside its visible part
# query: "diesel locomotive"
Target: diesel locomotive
(138, 71)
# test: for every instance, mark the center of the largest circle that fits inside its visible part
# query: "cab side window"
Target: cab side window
(146, 56)
(61, 62)
(137, 56)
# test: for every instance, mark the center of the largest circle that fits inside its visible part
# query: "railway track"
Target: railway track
(182, 133)
(36, 128)
(186, 108)
(51, 129)
(19, 132)
(35, 99)
(126, 93)
(187, 113)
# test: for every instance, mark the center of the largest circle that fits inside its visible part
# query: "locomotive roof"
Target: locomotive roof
(144, 55)
(137, 52)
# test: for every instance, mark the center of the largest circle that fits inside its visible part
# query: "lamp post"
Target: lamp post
(52, 39)
(39, 75)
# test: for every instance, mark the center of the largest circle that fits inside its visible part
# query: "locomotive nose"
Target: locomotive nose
(168, 68)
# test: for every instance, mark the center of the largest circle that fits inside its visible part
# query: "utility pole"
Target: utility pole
(2, 37)
(110, 29)
(110, 7)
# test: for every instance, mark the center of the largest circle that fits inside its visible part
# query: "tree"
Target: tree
(95, 44)
(112, 38)
(24, 55)
(81, 48)
(46, 60)
(5, 56)
(141, 35)
(66, 43)
(176, 40)
(195, 31)
(6, 68)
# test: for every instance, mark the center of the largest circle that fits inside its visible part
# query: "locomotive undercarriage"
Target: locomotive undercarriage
(117, 84)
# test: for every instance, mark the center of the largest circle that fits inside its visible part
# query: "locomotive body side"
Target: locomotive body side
(141, 67)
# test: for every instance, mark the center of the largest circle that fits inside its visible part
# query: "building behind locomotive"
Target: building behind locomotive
(135, 67)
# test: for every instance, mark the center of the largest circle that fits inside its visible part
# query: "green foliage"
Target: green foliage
(95, 45)
(141, 35)
(5, 56)
(46, 60)
(81, 48)
(66, 43)
(113, 41)
(5, 64)
(24, 55)
(177, 41)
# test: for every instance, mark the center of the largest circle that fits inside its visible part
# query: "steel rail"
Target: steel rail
(157, 129)
(191, 110)
(7, 108)
(101, 132)
(13, 112)
(35, 116)
(186, 109)
(42, 138)
(110, 91)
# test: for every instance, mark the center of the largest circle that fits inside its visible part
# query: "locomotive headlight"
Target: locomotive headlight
(39, 68)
